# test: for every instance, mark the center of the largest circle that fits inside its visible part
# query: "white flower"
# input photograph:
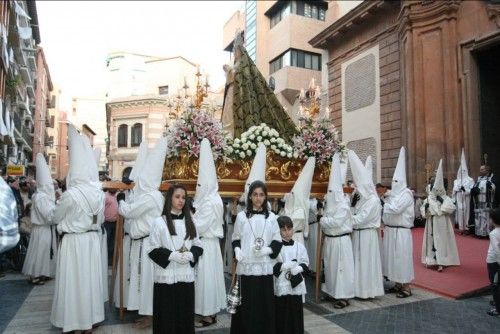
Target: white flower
(236, 145)
(245, 146)
(243, 139)
(266, 142)
(273, 140)
(237, 140)
(230, 149)
(259, 138)
(295, 155)
(265, 133)
(251, 137)
(249, 153)
(289, 155)
(282, 154)
(257, 132)
(253, 146)
(242, 155)
(273, 147)
(280, 145)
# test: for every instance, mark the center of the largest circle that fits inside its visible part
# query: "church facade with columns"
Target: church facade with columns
(422, 74)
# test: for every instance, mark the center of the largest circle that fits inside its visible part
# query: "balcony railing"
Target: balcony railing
(27, 138)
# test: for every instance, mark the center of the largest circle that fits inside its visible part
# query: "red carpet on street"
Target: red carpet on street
(455, 282)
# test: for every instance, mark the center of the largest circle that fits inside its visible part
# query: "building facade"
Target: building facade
(42, 119)
(277, 35)
(18, 42)
(423, 74)
(55, 116)
(142, 99)
(90, 112)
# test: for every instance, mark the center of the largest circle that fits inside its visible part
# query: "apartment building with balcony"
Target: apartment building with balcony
(142, 96)
(42, 119)
(18, 74)
(277, 35)
(57, 120)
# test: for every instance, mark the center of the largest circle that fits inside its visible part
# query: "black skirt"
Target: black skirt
(289, 315)
(173, 308)
(256, 312)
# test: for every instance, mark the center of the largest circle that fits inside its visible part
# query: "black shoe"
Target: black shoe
(493, 312)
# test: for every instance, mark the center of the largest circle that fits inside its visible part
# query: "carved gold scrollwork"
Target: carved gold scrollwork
(324, 172)
(244, 170)
(222, 170)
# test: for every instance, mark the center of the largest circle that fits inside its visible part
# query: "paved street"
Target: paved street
(26, 309)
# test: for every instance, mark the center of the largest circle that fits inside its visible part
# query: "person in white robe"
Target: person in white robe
(78, 293)
(461, 193)
(40, 261)
(103, 235)
(366, 216)
(312, 239)
(257, 172)
(210, 289)
(145, 207)
(128, 197)
(398, 216)
(439, 247)
(297, 201)
(289, 284)
(336, 224)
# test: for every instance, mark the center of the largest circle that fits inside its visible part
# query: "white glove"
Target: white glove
(178, 257)
(188, 256)
(238, 254)
(287, 265)
(263, 251)
(296, 270)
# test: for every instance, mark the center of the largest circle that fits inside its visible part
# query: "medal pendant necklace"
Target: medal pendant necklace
(258, 242)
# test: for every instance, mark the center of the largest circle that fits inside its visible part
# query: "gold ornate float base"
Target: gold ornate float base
(281, 175)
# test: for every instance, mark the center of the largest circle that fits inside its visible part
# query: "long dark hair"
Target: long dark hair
(265, 206)
(190, 229)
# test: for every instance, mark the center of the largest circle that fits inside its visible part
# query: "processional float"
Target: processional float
(248, 102)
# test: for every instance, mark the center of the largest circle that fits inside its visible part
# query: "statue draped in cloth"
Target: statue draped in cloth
(249, 101)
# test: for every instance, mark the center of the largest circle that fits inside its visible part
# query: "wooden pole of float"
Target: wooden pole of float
(117, 261)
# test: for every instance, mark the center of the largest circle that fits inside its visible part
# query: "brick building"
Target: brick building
(422, 74)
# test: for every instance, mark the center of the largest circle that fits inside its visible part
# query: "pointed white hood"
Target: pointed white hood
(344, 163)
(258, 170)
(140, 160)
(299, 207)
(93, 168)
(364, 184)
(149, 177)
(79, 163)
(207, 184)
(44, 183)
(83, 179)
(399, 178)
(335, 192)
(369, 166)
(438, 186)
(463, 177)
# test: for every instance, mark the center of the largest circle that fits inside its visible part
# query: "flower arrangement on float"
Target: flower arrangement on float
(187, 132)
(317, 138)
(246, 146)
